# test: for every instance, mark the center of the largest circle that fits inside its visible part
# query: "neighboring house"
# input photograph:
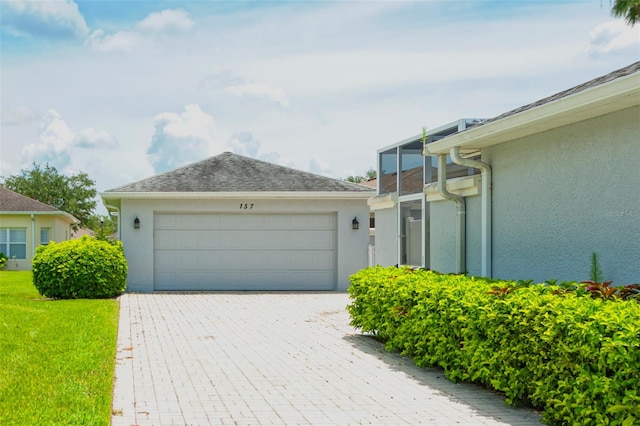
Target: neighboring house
(25, 224)
(529, 194)
(234, 223)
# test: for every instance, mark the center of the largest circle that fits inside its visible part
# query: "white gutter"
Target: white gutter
(238, 195)
(486, 206)
(33, 235)
(461, 214)
(109, 206)
(605, 98)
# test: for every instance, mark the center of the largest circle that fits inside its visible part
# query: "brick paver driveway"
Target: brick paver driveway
(276, 358)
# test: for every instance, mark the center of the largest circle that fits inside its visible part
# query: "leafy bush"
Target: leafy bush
(3, 260)
(80, 269)
(575, 357)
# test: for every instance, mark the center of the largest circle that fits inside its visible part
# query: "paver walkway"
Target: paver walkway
(277, 359)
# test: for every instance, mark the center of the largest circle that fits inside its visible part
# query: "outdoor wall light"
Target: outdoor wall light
(355, 224)
(136, 223)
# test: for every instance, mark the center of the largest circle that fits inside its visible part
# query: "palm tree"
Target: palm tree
(629, 9)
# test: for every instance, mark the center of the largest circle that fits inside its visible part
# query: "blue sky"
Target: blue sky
(125, 90)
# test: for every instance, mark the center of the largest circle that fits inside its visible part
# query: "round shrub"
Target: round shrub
(86, 268)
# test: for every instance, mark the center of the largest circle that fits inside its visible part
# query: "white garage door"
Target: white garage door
(223, 251)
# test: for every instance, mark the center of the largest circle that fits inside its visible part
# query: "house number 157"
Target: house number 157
(246, 206)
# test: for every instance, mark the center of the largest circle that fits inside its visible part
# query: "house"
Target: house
(25, 224)
(529, 194)
(234, 223)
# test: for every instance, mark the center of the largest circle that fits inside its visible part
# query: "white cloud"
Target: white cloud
(180, 139)
(57, 19)
(16, 116)
(93, 138)
(275, 94)
(319, 167)
(57, 142)
(119, 41)
(54, 143)
(243, 143)
(169, 20)
(156, 23)
(613, 36)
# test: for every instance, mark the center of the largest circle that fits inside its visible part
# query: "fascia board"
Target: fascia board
(235, 195)
(68, 216)
(606, 98)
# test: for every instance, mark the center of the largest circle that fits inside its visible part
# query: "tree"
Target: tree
(629, 9)
(73, 194)
(102, 225)
(369, 174)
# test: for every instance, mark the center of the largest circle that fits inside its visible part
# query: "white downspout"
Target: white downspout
(486, 206)
(33, 235)
(108, 206)
(461, 214)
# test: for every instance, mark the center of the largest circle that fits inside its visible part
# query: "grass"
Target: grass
(56, 356)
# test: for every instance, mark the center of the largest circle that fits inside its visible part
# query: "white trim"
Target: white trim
(606, 98)
(71, 218)
(236, 195)
(383, 201)
(463, 186)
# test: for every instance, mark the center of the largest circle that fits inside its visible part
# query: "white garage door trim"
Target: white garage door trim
(244, 251)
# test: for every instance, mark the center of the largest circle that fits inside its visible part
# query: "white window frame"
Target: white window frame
(5, 246)
(47, 240)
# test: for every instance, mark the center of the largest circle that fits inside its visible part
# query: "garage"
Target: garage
(261, 251)
(234, 223)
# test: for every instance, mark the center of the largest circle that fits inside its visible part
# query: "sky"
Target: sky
(124, 90)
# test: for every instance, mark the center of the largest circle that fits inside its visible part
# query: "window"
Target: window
(13, 242)
(45, 235)
(388, 171)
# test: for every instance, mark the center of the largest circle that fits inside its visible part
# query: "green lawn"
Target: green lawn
(56, 356)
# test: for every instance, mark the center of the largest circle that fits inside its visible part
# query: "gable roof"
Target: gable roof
(233, 173)
(612, 92)
(11, 201)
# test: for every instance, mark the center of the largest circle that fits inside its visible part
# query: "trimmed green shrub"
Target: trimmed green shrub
(3, 260)
(575, 357)
(80, 269)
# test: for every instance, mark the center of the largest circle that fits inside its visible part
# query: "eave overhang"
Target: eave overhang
(606, 98)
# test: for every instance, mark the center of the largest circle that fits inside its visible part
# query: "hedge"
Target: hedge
(85, 268)
(575, 357)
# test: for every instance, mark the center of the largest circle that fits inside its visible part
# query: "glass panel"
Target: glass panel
(3, 235)
(44, 236)
(412, 169)
(18, 250)
(18, 235)
(388, 171)
(412, 238)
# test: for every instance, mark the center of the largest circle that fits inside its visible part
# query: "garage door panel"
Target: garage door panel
(210, 221)
(165, 238)
(323, 260)
(246, 251)
(186, 221)
(209, 239)
(187, 239)
(235, 221)
(165, 260)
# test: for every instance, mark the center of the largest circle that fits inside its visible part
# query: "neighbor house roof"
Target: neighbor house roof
(233, 173)
(612, 92)
(13, 203)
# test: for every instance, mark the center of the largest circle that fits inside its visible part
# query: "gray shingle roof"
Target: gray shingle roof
(13, 202)
(229, 172)
(622, 72)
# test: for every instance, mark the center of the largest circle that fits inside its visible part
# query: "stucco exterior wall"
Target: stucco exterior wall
(387, 236)
(59, 231)
(138, 243)
(443, 236)
(560, 195)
